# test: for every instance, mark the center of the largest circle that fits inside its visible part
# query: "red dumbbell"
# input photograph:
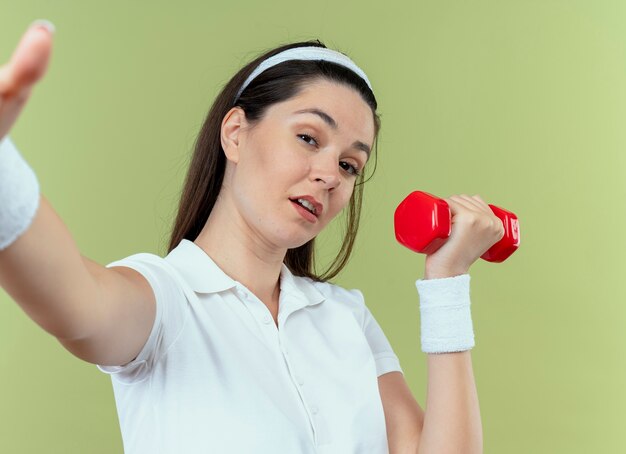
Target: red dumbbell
(423, 224)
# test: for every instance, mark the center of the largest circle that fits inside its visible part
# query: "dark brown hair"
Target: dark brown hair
(206, 171)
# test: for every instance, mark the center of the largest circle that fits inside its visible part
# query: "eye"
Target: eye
(352, 170)
(307, 137)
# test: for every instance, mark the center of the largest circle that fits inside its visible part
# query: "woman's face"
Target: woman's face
(309, 146)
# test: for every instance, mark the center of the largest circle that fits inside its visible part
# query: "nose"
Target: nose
(326, 170)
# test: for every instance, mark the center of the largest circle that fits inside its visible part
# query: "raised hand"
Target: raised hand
(26, 66)
(475, 228)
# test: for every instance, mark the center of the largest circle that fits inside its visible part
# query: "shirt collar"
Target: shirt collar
(205, 276)
(198, 269)
(300, 287)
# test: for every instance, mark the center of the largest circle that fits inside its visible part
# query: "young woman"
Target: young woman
(231, 343)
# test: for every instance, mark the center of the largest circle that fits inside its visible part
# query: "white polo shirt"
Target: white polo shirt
(216, 375)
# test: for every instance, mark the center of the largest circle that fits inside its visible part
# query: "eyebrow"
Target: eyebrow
(330, 121)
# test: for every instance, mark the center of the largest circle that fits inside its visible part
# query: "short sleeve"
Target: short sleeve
(171, 310)
(384, 356)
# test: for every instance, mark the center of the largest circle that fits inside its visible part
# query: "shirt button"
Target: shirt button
(314, 410)
(267, 320)
(299, 380)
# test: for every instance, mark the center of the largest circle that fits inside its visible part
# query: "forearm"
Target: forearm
(45, 274)
(452, 417)
(452, 421)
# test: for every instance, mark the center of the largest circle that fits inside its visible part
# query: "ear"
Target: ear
(232, 125)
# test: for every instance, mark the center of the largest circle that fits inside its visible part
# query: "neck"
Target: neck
(240, 253)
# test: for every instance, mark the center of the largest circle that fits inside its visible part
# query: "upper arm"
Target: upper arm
(404, 417)
(122, 319)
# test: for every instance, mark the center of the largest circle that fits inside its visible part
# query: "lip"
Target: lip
(319, 208)
(306, 214)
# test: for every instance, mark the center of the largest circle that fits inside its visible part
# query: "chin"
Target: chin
(295, 242)
(293, 236)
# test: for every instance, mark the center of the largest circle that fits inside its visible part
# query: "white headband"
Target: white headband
(305, 53)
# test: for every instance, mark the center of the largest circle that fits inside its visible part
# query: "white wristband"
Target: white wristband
(19, 193)
(446, 320)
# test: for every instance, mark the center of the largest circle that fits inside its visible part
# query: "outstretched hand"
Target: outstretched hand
(17, 78)
(475, 228)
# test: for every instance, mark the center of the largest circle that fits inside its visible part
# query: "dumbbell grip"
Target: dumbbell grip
(423, 224)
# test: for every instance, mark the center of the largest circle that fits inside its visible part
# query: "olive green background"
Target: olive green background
(523, 103)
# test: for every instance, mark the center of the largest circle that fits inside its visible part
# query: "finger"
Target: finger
(477, 202)
(6, 80)
(468, 204)
(496, 222)
(478, 199)
(457, 206)
(28, 62)
(471, 205)
(11, 108)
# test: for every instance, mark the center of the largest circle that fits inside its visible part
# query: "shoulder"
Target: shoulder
(154, 269)
(167, 286)
(348, 298)
(141, 257)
